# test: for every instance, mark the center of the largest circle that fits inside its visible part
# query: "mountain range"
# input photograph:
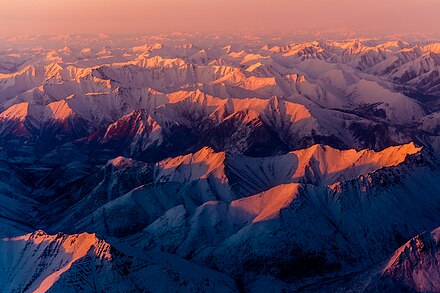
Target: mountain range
(219, 164)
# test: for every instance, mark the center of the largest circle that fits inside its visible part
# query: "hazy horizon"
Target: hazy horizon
(136, 16)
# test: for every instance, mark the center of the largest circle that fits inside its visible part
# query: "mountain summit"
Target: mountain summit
(226, 163)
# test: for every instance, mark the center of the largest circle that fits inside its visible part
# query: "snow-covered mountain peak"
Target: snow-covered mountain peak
(414, 265)
(219, 163)
(206, 162)
(16, 112)
(328, 165)
(121, 162)
(29, 269)
(266, 205)
(60, 110)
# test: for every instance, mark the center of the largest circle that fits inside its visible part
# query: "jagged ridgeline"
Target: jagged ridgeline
(219, 164)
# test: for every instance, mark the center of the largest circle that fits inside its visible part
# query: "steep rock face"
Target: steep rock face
(135, 131)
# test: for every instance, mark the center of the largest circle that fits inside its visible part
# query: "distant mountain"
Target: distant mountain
(219, 163)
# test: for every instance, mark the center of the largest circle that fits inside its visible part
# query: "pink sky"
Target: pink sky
(145, 16)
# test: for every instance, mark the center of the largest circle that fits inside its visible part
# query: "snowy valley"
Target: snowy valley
(222, 163)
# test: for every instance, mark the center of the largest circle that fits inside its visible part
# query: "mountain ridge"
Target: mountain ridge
(219, 163)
